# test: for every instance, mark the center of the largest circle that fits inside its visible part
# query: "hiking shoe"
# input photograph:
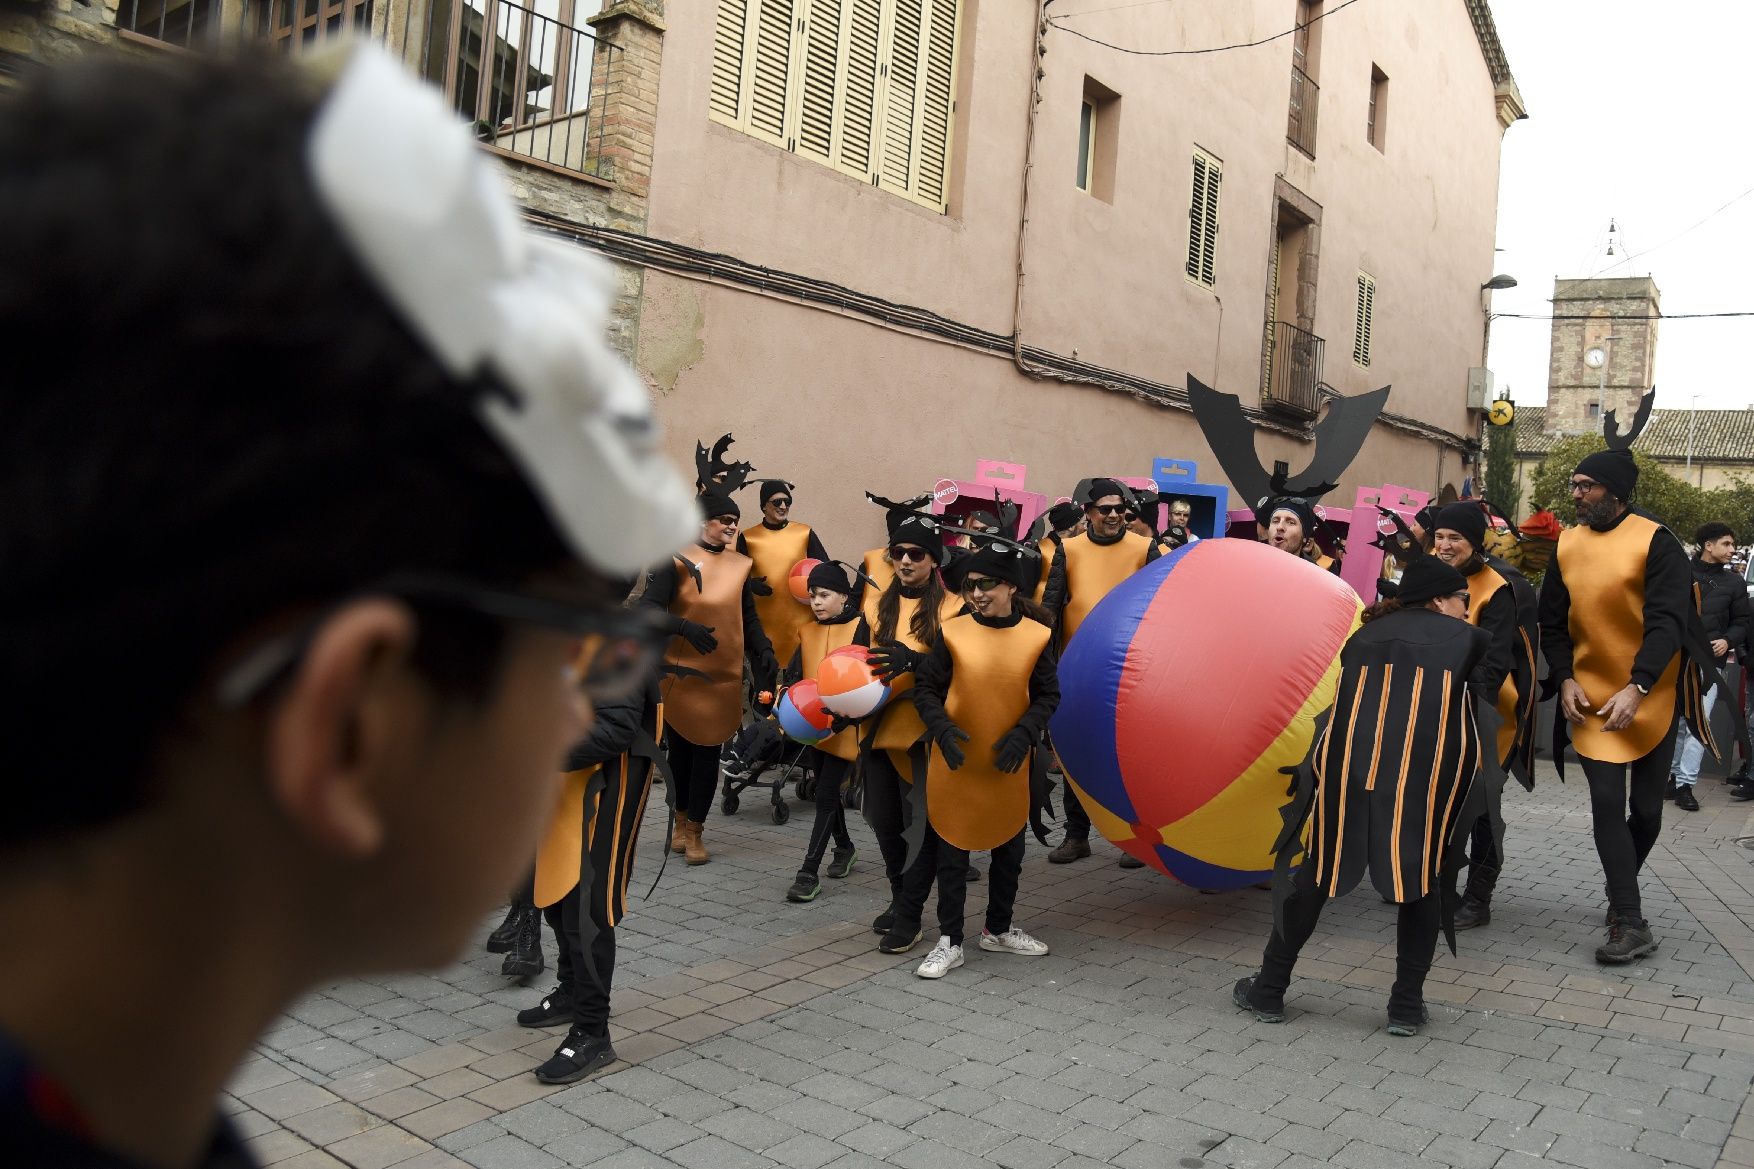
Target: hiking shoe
(577, 1056)
(506, 932)
(1685, 799)
(1408, 1025)
(1472, 914)
(555, 1007)
(1628, 938)
(1013, 941)
(525, 959)
(1266, 1009)
(942, 959)
(1129, 861)
(884, 921)
(841, 863)
(805, 887)
(1068, 850)
(900, 939)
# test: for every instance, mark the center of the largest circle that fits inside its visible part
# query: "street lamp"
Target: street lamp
(1499, 283)
(1596, 357)
(1692, 414)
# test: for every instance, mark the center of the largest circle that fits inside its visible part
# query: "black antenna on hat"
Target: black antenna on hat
(993, 538)
(915, 504)
(710, 465)
(1611, 427)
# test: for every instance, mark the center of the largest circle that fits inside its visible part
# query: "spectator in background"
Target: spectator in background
(1723, 609)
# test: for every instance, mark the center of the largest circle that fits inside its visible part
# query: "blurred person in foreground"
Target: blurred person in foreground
(356, 439)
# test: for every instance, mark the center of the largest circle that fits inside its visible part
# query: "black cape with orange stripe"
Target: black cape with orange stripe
(1389, 774)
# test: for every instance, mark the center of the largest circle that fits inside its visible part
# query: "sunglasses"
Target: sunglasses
(985, 584)
(908, 552)
(1463, 597)
(729, 521)
(1110, 508)
(779, 501)
(620, 647)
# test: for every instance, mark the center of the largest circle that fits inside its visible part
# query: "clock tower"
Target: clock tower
(1604, 349)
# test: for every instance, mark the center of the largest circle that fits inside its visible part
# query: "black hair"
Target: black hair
(1381, 608)
(214, 421)
(1715, 530)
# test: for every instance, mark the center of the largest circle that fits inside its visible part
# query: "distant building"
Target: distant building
(1720, 442)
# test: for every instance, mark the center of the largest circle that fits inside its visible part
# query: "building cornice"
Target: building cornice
(1506, 97)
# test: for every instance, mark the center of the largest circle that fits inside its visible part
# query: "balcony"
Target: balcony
(532, 84)
(1300, 129)
(1291, 370)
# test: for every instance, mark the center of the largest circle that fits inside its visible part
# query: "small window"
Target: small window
(1099, 129)
(1366, 319)
(1203, 220)
(1376, 126)
(1593, 411)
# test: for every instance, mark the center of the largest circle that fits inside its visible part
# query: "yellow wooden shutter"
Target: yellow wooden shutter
(901, 76)
(1203, 219)
(855, 150)
(770, 72)
(937, 104)
(817, 82)
(1366, 315)
(729, 37)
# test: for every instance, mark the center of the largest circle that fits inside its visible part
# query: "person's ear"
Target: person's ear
(341, 722)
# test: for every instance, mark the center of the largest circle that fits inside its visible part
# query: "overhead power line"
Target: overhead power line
(1612, 319)
(1055, 22)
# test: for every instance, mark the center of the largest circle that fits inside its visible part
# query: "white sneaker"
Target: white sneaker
(1013, 941)
(941, 961)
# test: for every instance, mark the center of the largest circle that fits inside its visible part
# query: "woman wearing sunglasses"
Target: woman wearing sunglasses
(902, 624)
(707, 592)
(1384, 785)
(984, 693)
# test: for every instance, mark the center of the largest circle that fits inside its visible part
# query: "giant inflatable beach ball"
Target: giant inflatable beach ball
(847, 683)
(1186, 690)
(798, 580)
(801, 713)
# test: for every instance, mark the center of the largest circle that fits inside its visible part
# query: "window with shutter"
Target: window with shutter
(865, 86)
(1203, 220)
(1366, 312)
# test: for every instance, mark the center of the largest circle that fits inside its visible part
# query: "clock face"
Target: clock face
(1502, 413)
(1595, 356)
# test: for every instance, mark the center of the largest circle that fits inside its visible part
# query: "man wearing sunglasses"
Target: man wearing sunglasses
(1616, 605)
(360, 444)
(1085, 568)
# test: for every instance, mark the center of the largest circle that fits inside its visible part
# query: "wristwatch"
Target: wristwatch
(1644, 690)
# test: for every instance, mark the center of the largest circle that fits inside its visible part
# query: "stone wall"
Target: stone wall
(1612, 316)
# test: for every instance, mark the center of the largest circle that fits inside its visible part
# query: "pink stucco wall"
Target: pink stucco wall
(841, 404)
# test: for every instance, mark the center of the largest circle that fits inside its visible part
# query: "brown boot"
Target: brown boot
(679, 833)
(695, 850)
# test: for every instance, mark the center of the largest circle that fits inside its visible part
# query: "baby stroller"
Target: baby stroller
(758, 755)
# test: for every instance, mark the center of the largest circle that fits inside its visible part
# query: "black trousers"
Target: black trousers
(695, 771)
(1416, 933)
(1484, 863)
(590, 1010)
(948, 865)
(1077, 819)
(831, 814)
(888, 812)
(524, 896)
(1626, 807)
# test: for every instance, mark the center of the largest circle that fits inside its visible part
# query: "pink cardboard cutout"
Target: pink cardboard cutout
(1363, 564)
(990, 474)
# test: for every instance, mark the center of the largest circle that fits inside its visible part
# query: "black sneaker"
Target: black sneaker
(1068, 850)
(1628, 938)
(805, 887)
(1685, 799)
(841, 863)
(555, 1008)
(1404, 1026)
(504, 934)
(577, 1057)
(1129, 861)
(1265, 1009)
(899, 939)
(1742, 775)
(884, 921)
(525, 959)
(1742, 791)
(1472, 914)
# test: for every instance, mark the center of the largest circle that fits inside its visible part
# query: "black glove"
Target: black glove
(950, 741)
(759, 586)
(1010, 751)
(767, 673)
(892, 660)
(837, 724)
(700, 637)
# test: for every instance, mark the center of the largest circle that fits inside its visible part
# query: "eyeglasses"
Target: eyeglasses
(621, 647)
(1463, 597)
(1110, 508)
(729, 521)
(908, 552)
(985, 584)
(1583, 486)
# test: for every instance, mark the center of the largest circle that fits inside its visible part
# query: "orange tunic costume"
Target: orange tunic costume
(775, 552)
(708, 710)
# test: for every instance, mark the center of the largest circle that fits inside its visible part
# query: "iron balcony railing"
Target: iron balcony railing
(1291, 369)
(532, 85)
(1300, 129)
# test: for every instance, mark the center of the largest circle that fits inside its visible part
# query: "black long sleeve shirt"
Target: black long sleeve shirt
(1668, 595)
(1498, 619)
(933, 677)
(1723, 604)
(660, 592)
(616, 727)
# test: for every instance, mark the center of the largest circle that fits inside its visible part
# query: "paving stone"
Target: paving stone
(509, 1152)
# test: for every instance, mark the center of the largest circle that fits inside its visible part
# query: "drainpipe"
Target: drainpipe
(1038, 50)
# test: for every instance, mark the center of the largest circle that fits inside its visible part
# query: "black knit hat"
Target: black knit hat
(1063, 515)
(918, 529)
(1102, 489)
(1428, 578)
(1300, 508)
(773, 487)
(1465, 519)
(718, 503)
(1008, 562)
(830, 575)
(1613, 469)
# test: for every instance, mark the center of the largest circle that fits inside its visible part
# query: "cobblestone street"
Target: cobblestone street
(753, 1032)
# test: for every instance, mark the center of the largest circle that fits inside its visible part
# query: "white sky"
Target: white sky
(1643, 113)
